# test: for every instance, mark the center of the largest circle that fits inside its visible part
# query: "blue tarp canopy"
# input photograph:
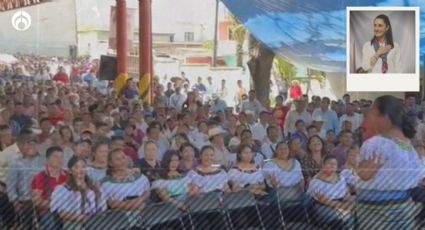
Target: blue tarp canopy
(309, 32)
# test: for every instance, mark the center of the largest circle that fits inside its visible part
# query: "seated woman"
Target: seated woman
(124, 189)
(349, 173)
(284, 173)
(331, 197)
(173, 187)
(246, 175)
(188, 160)
(208, 178)
(97, 169)
(78, 199)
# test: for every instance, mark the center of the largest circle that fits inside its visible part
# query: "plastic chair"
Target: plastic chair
(160, 213)
(240, 200)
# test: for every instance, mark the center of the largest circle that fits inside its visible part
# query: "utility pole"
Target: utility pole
(214, 61)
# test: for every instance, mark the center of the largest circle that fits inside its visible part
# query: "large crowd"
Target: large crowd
(76, 156)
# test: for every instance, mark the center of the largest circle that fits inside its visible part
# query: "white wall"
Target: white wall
(52, 30)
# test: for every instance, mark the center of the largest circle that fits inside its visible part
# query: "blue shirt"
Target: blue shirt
(331, 121)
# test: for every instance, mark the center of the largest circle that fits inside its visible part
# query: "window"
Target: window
(189, 36)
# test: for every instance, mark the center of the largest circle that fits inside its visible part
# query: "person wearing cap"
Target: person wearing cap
(216, 136)
(21, 174)
(217, 104)
(318, 123)
(330, 118)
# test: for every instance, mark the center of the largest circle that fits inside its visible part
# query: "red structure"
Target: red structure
(145, 50)
(122, 41)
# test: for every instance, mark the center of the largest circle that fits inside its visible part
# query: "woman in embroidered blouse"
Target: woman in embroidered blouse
(381, 54)
(331, 196)
(312, 162)
(283, 170)
(208, 178)
(389, 168)
(124, 189)
(188, 161)
(246, 174)
(173, 187)
(97, 170)
(78, 199)
(149, 165)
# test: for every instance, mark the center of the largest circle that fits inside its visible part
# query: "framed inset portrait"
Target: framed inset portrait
(383, 49)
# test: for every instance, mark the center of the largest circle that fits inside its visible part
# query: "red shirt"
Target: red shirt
(295, 92)
(62, 77)
(131, 153)
(280, 114)
(55, 119)
(39, 183)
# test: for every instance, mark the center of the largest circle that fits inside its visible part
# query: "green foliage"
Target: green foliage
(287, 72)
(209, 45)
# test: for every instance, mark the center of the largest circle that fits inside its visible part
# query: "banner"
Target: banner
(113, 27)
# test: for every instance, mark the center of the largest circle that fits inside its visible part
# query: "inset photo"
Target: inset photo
(382, 48)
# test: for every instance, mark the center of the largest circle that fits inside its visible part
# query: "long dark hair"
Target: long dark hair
(323, 152)
(166, 160)
(62, 128)
(71, 184)
(394, 109)
(389, 33)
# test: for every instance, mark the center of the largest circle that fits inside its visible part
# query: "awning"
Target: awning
(311, 33)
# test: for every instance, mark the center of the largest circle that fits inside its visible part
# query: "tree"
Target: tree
(260, 65)
(287, 72)
(239, 33)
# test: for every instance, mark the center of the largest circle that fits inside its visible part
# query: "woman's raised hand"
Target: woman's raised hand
(384, 49)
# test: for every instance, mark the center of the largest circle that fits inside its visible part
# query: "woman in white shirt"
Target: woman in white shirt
(331, 197)
(283, 171)
(381, 54)
(389, 168)
(78, 199)
(246, 175)
(125, 190)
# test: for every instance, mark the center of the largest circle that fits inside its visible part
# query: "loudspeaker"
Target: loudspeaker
(108, 68)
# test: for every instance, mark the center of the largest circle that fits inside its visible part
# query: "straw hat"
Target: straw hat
(215, 131)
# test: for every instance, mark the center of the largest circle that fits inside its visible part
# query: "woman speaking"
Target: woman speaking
(381, 54)
(388, 169)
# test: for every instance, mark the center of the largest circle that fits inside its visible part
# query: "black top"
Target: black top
(152, 173)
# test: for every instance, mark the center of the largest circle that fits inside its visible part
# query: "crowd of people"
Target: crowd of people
(71, 154)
